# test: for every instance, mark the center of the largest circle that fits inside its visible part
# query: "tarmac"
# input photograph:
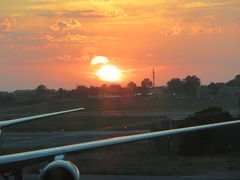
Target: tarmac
(231, 175)
(19, 140)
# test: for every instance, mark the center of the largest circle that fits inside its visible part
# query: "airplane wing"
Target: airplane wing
(31, 118)
(7, 162)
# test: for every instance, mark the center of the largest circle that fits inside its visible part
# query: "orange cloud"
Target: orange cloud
(200, 4)
(204, 30)
(64, 58)
(176, 30)
(69, 58)
(7, 25)
(63, 25)
(209, 17)
(89, 14)
(196, 4)
(81, 39)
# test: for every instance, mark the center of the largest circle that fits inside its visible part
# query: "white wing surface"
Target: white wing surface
(31, 118)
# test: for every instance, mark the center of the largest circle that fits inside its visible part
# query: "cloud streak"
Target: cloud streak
(87, 14)
(65, 25)
(205, 30)
(82, 39)
(176, 30)
(7, 25)
(64, 58)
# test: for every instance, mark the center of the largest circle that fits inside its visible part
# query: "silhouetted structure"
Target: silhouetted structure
(153, 78)
(211, 141)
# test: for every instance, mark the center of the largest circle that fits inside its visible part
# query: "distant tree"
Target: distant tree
(6, 97)
(146, 83)
(191, 85)
(94, 91)
(131, 88)
(215, 87)
(72, 93)
(62, 92)
(41, 89)
(175, 86)
(115, 89)
(234, 82)
(43, 93)
(81, 91)
(103, 89)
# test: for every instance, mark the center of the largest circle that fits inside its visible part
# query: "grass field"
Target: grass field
(112, 122)
(123, 103)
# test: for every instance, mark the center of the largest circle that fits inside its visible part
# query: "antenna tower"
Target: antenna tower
(153, 73)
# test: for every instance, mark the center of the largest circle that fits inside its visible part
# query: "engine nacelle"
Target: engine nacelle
(60, 170)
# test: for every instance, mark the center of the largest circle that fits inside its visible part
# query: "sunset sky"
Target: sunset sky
(52, 42)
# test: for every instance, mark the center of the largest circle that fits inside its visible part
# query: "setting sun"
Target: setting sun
(109, 73)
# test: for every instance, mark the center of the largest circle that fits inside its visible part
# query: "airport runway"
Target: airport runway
(135, 113)
(174, 112)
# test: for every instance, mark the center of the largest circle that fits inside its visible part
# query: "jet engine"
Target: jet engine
(60, 170)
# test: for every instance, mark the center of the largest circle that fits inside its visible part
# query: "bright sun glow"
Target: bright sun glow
(99, 60)
(109, 73)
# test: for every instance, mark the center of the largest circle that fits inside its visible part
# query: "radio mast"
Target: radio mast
(153, 73)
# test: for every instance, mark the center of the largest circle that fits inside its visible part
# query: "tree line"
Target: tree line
(191, 86)
(186, 87)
